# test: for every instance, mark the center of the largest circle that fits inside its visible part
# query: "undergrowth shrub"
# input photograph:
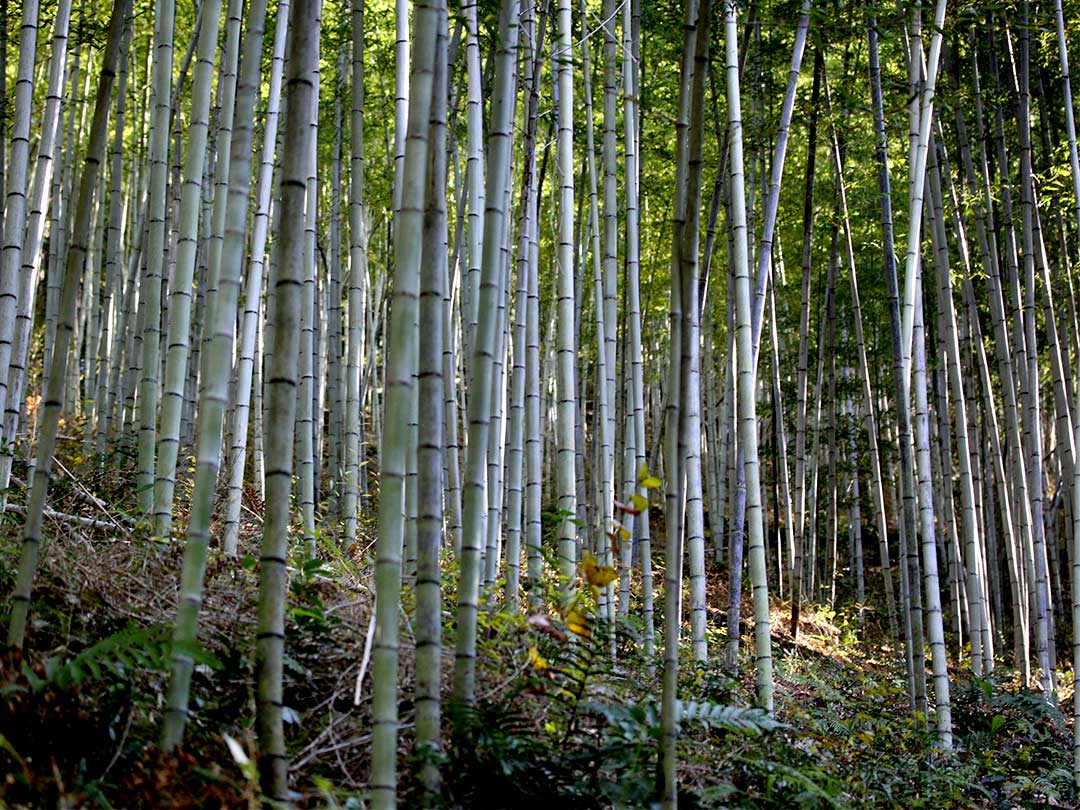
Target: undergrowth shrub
(72, 730)
(578, 727)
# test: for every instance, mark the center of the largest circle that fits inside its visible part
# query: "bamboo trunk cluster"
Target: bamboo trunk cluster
(470, 338)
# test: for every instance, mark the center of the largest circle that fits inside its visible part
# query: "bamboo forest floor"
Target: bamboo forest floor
(556, 720)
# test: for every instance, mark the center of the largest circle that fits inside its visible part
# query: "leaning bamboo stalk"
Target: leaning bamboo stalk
(978, 183)
(917, 170)
(500, 140)
(334, 333)
(784, 508)
(493, 525)
(150, 287)
(54, 386)
(673, 459)
(216, 364)
(689, 432)
(914, 653)
(922, 113)
(1033, 422)
(179, 322)
(979, 631)
(1074, 164)
(253, 288)
(15, 182)
(604, 401)
(802, 369)
(474, 180)
(61, 194)
(1011, 371)
(357, 279)
(519, 510)
(37, 206)
(760, 283)
(747, 404)
(877, 487)
(226, 117)
(106, 394)
(611, 222)
(633, 296)
(772, 199)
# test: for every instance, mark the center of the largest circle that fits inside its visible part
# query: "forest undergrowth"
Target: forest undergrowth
(557, 717)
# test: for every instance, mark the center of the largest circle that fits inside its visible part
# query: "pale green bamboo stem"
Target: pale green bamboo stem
(150, 287)
(500, 140)
(283, 374)
(216, 365)
(747, 404)
(179, 321)
(401, 348)
(54, 387)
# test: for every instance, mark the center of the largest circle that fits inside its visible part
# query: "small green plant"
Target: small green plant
(308, 617)
(117, 655)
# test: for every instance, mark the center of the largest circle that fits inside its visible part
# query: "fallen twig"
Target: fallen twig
(367, 657)
(51, 513)
(88, 494)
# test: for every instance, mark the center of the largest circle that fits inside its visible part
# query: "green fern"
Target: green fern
(810, 793)
(1032, 706)
(833, 726)
(741, 719)
(131, 648)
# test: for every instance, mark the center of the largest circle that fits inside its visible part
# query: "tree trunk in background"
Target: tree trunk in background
(500, 140)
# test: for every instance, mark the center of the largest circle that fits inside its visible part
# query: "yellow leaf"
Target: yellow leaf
(589, 565)
(605, 575)
(624, 532)
(537, 661)
(577, 623)
(650, 482)
(640, 502)
(597, 575)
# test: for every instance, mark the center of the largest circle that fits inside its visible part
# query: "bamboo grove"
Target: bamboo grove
(608, 292)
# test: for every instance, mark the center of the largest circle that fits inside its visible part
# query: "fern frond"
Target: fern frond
(1033, 706)
(130, 648)
(741, 719)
